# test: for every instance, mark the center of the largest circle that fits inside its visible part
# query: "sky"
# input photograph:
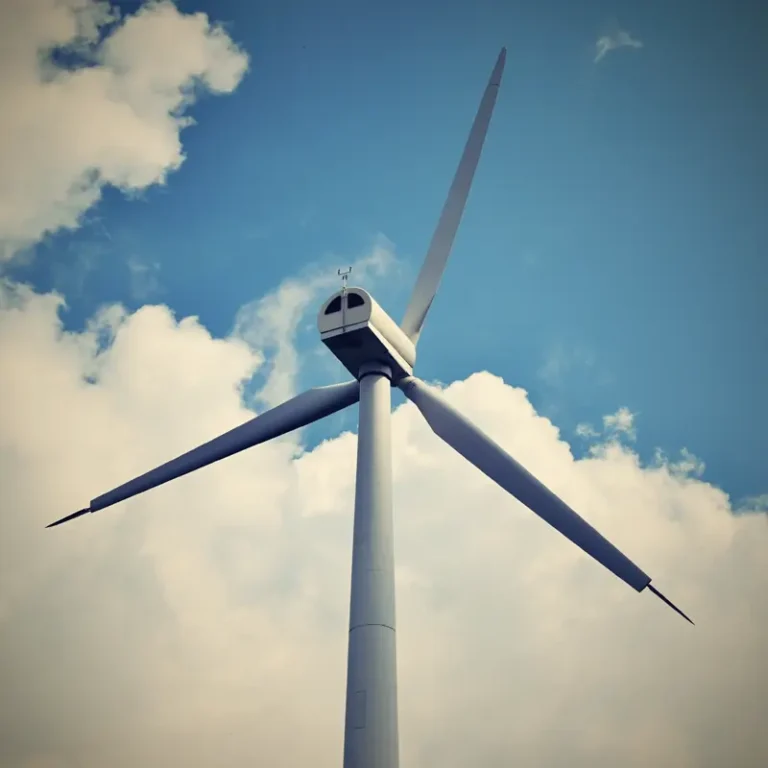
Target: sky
(178, 186)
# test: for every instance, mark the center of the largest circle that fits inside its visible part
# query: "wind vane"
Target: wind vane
(344, 275)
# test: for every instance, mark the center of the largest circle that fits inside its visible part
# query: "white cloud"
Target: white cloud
(66, 133)
(586, 431)
(687, 464)
(617, 39)
(205, 622)
(755, 504)
(615, 426)
(620, 423)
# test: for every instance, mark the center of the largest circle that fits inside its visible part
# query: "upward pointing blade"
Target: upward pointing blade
(309, 406)
(442, 240)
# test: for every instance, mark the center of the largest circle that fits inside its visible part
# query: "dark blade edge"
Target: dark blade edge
(66, 519)
(669, 603)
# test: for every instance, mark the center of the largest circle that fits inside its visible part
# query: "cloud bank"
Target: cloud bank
(111, 114)
(205, 622)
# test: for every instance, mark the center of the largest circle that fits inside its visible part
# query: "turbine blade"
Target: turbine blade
(67, 518)
(442, 240)
(308, 407)
(491, 459)
(669, 602)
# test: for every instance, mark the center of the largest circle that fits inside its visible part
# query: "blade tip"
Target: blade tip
(670, 604)
(498, 70)
(67, 518)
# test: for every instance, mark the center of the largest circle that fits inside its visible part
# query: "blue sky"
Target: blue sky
(613, 251)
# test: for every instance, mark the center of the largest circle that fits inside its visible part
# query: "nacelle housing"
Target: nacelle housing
(357, 330)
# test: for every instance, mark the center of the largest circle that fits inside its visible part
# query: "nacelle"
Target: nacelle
(357, 330)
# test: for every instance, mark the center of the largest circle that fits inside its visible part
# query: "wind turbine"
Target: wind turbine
(380, 354)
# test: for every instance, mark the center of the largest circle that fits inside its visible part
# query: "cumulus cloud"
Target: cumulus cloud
(611, 42)
(587, 431)
(205, 622)
(616, 426)
(620, 423)
(111, 116)
(755, 504)
(687, 464)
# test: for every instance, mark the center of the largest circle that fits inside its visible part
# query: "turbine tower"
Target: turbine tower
(380, 354)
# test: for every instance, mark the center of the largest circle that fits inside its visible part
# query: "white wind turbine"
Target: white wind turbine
(380, 354)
